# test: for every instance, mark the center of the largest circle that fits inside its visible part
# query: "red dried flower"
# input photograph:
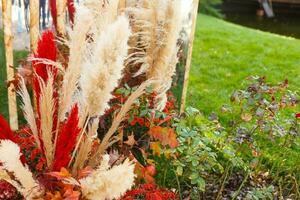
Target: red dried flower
(46, 49)
(149, 192)
(66, 140)
(5, 131)
(7, 191)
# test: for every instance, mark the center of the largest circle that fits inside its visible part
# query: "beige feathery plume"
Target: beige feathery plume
(78, 44)
(104, 12)
(157, 25)
(108, 139)
(28, 111)
(86, 146)
(10, 159)
(165, 65)
(49, 62)
(47, 106)
(108, 183)
(104, 69)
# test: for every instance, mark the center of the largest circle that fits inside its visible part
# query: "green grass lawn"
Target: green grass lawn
(3, 90)
(225, 54)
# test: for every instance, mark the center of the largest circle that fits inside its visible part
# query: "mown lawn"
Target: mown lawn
(225, 54)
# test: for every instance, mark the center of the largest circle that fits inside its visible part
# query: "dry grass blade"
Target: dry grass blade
(106, 142)
(47, 106)
(28, 111)
(86, 146)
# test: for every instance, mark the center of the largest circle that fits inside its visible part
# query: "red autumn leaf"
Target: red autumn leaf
(70, 194)
(165, 135)
(297, 115)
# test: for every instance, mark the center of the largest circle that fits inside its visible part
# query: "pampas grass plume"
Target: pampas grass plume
(47, 106)
(28, 111)
(108, 183)
(104, 68)
(10, 159)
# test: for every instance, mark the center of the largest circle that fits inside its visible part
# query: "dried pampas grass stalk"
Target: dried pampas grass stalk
(86, 146)
(107, 140)
(104, 68)
(104, 12)
(165, 65)
(47, 106)
(28, 111)
(49, 62)
(108, 183)
(77, 44)
(157, 25)
(10, 159)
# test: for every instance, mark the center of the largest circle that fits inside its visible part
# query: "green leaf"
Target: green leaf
(139, 156)
(144, 112)
(179, 170)
(201, 184)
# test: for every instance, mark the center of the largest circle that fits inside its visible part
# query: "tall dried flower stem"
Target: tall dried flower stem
(28, 111)
(106, 142)
(79, 140)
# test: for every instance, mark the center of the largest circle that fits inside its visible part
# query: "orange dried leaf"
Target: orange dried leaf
(131, 141)
(85, 172)
(64, 173)
(155, 147)
(165, 135)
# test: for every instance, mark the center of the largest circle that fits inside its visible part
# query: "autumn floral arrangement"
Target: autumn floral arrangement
(78, 113)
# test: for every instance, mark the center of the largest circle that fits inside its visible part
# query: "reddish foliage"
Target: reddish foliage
(165, 135)
(149, 192)
(32, 154)
(298, 115)
(7, 191)
(66, 140)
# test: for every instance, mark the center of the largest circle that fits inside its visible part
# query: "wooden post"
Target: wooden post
(34, 24)
(61, 16)
(8, 40)
(189, 57)
(122, 5)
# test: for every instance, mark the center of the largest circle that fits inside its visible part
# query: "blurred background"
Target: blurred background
(276, 16)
